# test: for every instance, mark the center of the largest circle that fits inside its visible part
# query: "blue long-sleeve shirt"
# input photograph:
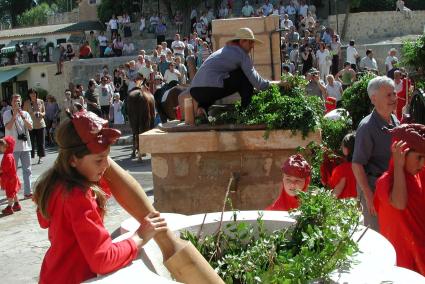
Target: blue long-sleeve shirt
(218, 65)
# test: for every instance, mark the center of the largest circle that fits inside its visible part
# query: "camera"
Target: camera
(22, 137)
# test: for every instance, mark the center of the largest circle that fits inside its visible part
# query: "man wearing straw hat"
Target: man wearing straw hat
(226, 71)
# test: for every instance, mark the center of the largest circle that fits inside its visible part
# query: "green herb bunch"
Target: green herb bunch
(355, 99)
(320, 243)
(277, 107)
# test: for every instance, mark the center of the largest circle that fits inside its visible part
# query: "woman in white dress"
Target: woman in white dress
(117, 107)
(324, 61)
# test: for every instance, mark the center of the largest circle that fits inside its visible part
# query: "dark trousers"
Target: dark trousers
(335, 64)
(102, 51)
(237, 82)
(37, 137)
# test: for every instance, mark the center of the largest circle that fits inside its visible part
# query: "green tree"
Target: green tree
(413, 52)
(109, 7)
(36, 16)
(13, 8)
(63, 5)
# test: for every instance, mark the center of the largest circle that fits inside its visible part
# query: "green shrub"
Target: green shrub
(356, 100)
(413, 53)
(333, 131)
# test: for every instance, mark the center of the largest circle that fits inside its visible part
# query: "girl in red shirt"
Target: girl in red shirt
(296, 176)
(9, 178)
(71, 199)
(400, 197)
(342, 180)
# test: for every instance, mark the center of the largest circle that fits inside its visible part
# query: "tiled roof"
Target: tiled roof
(30, 31)
(83, 26)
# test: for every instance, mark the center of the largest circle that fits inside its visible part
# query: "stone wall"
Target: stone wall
(376, 25)
(193, 177)
(63, 18)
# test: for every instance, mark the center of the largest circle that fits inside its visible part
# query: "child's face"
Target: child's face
(92, 166)
(292, 184)
(345, 150)
(414, 162)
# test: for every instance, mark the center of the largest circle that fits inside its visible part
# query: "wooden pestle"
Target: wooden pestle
(181, 258)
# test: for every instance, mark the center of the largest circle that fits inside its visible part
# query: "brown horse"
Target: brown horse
(167, 107)
(141, 113)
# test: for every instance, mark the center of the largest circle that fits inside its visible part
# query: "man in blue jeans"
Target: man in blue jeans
(226, 71)
(18, 123)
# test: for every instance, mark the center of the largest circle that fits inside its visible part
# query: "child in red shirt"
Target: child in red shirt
(9, 178)
(400, 197)
(71, 198)
(342, 180)
(296, 176)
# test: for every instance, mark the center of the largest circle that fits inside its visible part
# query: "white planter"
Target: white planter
(374, 263)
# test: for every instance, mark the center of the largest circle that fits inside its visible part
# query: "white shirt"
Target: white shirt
(288, 24)
(18, 128)
(103, 40)
(352, 54)
(178, 47)
(168, 76)
(322, 56)
(113, 24)
(388, 61)
(335, 90)
(146, 72)
(105, 94)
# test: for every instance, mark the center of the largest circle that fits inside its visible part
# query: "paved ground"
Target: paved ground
(24, 243)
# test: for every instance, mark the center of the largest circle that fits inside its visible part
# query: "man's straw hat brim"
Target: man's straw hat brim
(246, 34)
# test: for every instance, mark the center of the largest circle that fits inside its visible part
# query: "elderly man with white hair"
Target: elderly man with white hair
(372, 148)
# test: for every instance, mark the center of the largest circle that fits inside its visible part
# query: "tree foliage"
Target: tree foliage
(413, 52)
(356, 100)
(37, 16)
(109, 7)
(10, 9)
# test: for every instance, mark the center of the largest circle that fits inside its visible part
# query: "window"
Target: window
(92, 2)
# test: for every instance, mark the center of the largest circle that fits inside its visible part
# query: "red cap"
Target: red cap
(296, 166)
(413, 134)
(93, 131)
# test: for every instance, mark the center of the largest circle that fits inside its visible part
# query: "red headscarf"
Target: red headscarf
(295, 166)
(93, 131)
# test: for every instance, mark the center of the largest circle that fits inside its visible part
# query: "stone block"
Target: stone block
(187, 181)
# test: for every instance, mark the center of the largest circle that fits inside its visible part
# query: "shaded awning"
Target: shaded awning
(21, 41)
(6, 75)
(8, 49)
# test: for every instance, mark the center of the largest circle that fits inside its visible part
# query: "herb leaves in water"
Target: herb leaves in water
(318, 244)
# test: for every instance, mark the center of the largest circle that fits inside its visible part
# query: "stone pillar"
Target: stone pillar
(191, 170)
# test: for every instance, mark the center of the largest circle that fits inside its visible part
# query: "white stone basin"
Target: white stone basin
(375, 261)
